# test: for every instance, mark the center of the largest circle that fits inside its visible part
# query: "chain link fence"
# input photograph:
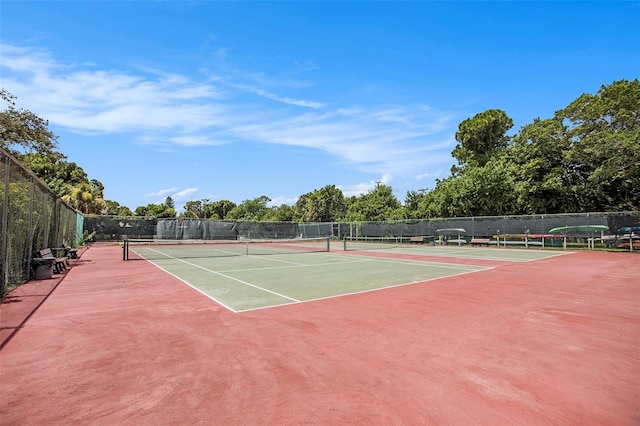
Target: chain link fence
(613, 225)
(33, 218)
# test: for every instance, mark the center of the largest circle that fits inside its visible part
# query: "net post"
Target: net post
(328, 243)
(125, 250)
(344, 244)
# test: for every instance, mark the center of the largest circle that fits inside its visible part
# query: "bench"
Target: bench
(69, 252)
(458, 241)
(519, 243)
(480, 241)
(60, 263)
(416, 240)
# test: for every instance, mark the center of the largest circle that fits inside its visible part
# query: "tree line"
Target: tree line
(585, 158)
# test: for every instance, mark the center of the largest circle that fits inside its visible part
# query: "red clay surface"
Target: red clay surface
(550, 342)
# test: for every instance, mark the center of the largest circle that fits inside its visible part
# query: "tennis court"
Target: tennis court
(491, 253)
(270, 274)
(247, 275)
(432, 335)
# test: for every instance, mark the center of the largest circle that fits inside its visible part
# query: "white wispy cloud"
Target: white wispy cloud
(432, 175)
(172, 110)
(184, 195)
(161, 193)
(160, 196)
(274, 97)
(197, 140)
(360, 188)
(278, 201)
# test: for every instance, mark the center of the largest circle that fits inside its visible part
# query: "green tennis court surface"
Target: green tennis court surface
(249, 282)
(255, 274)
(464, 252)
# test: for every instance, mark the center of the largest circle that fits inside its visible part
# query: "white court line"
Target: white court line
(276, 260)
(269, 258)
(358, 292)
(189, 284)
(425, 262)
(298, 266)
(465, 269)
(226, 276)
(467, 252)
(364, 258)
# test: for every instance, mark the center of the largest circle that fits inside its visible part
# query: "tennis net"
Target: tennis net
(379, 243)
(166, 249)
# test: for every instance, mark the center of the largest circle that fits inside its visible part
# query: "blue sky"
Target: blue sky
(235, 100)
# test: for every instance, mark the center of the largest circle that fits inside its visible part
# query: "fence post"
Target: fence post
(4, 254)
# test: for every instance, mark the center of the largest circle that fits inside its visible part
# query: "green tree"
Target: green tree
(285, 213)
(188, 214)
(67, 180)
(58, 174)
(161, 211)
(99, 187)
(169, 203)
(415, 204)
(219, 209)
(282, 213)
(540, 153)
(193, 209)
(322, 205)
(206, 209)
(86, 198)
(585, 158)
(48, 168)
(377, 204)
(480, 137)
(254, 209)
(114, 208)
(605, 157)
(23, 131)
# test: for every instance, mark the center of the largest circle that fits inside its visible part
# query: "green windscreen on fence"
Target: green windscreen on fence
(115, 228)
